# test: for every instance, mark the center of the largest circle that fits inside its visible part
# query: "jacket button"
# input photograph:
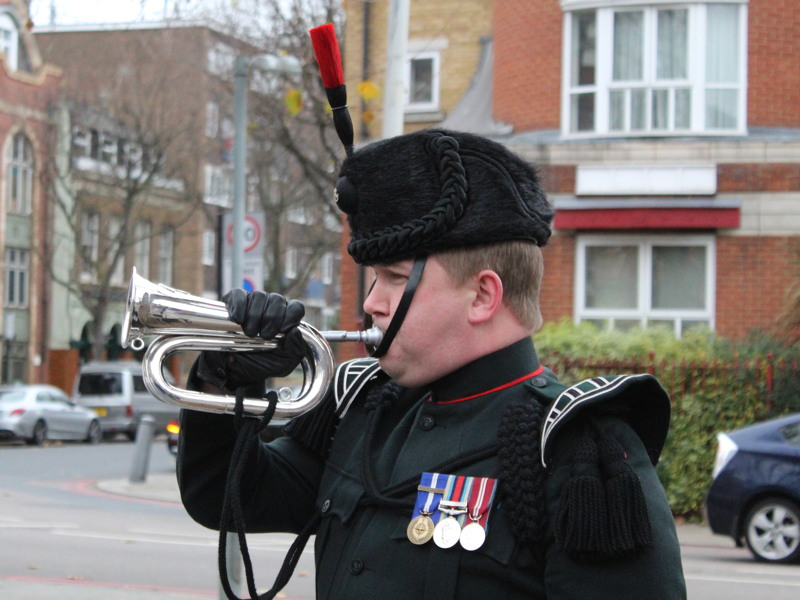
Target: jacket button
(539, 382)
(427, 422)
(326, 506)
(356, 567)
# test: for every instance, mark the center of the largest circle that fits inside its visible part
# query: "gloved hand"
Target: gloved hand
(264, 315)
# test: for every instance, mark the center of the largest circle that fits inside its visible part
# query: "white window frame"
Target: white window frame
(9, 41)
(16, 277)
(166, 254)
(433, 104)
(696, 81)
(142, 248)
(643, 311)
(19, 173)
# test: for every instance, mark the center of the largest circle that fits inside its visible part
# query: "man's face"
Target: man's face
(429, 343)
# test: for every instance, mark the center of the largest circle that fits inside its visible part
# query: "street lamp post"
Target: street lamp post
(270, 64)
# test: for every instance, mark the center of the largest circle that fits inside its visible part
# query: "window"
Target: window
(165, 254)
(212, 119)
(636, 281)
(209, 247)
(9, 41)
(114, 228)
(19, 169)
(422, 76)
(290, 268)
(218, 185)
(327, 268)
(142, 249)
(90, 246)
(15, 266)
(629, 70)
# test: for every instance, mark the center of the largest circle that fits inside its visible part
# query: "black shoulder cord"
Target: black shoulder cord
(232, 506)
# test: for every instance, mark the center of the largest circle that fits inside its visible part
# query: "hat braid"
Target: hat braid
(413, 234)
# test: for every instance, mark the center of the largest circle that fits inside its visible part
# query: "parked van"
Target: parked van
(115, 390)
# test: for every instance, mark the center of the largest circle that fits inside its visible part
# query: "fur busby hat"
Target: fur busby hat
(434, 190)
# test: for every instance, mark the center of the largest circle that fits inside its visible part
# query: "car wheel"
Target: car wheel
(772, 530)
(95, 433)
(39, 434)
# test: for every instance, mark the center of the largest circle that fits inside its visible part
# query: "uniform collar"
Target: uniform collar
(502, 368)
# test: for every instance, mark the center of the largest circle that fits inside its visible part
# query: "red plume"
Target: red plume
(326, 48)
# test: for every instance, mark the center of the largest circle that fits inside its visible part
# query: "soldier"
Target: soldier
(454, 465)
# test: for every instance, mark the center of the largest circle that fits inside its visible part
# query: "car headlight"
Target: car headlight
(726, 450)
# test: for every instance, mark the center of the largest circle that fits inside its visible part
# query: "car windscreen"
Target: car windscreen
(9, 397)
(100, 384)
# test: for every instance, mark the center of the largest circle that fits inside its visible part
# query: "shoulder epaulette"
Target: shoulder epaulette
(638, 399)
(350, 379)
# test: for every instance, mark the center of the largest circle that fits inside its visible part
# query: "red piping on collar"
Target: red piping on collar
(496, 389)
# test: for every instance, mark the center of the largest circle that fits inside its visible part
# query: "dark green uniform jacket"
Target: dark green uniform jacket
(362, 551)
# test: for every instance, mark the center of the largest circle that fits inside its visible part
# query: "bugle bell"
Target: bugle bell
(183, 322)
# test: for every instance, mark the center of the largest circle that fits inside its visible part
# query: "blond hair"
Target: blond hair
(519, 265)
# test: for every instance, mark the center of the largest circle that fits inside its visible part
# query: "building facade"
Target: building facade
(667, 135)
(29, 88)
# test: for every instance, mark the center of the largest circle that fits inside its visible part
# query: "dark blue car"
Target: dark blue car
(755, 494)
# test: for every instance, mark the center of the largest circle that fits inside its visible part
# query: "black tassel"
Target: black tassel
(581, 522)
(627, 507)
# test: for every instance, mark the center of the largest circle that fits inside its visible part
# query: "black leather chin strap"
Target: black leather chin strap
(402, 307)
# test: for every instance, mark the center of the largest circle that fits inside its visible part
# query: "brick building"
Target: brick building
(668, 139)
(29, 87)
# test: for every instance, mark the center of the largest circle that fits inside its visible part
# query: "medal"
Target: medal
(420, 530)
(448, 530)
(481, 496)
(472, 536)
(447, 533)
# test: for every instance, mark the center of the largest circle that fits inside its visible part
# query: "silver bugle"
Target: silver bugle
(182, 322)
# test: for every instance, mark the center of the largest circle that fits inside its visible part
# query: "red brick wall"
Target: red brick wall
(753, 275)
(527, 63)
(773, 95)
(775, 177)
(558, 285)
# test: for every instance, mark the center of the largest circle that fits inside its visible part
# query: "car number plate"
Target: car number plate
(101, 412)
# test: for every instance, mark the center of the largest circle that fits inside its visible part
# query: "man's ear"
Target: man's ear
(488, 289)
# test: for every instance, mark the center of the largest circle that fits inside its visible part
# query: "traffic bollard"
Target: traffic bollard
(141, 455)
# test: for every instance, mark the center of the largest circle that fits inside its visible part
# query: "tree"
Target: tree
(123, 158)
(293, 149)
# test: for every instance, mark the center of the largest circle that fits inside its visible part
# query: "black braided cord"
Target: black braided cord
(411, 235)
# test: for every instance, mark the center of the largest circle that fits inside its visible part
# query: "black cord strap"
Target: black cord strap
(402, 306)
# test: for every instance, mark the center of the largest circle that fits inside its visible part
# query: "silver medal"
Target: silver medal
(472, 536)
(447, 533)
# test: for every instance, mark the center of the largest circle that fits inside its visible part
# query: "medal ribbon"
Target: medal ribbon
(480, 500)
(427, 497)
(457, 491)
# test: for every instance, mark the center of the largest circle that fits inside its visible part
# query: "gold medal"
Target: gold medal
(420, 529)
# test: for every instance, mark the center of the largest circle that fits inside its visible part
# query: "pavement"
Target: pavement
(164, 488)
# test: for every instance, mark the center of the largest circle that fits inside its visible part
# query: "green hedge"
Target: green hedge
(730, 393)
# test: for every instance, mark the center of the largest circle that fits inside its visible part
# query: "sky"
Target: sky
(71, 12)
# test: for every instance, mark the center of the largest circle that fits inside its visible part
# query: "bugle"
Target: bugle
(184, 322)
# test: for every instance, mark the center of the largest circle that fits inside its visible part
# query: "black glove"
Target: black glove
(261, 315)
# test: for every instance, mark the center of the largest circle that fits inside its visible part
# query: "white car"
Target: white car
(37, 413)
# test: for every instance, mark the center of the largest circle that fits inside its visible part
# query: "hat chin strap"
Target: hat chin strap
(402, 307)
